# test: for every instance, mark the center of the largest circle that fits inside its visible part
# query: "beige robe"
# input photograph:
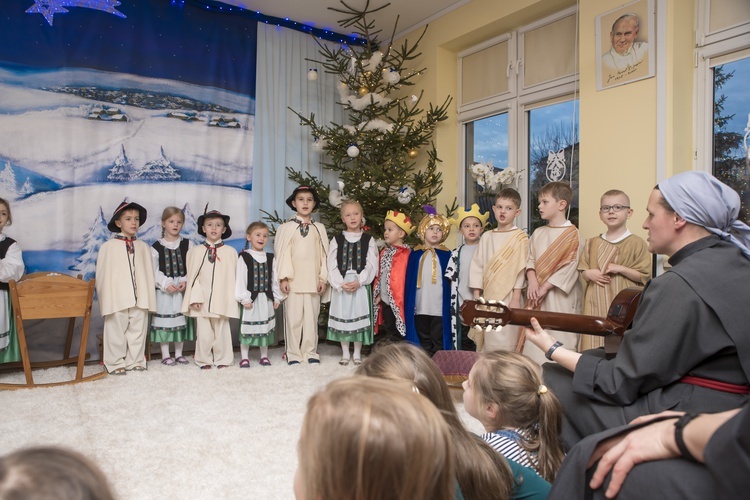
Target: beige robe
(498, 268)
(211, 284)
(564, 296)
(629, 251)
(116, 288)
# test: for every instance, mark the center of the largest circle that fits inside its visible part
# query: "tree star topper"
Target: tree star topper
(48, 8)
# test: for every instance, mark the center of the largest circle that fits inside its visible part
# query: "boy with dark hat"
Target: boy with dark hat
(301, 247)
(126, 291)
(209, 296)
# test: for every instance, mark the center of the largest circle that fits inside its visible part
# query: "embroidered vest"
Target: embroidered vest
(352, 255)
(172, 262)
(258, 276)
(4, 246)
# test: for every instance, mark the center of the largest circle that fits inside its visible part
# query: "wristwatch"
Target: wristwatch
(552, 349)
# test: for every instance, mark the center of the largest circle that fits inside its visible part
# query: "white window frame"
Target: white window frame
(709, 46)
(515, 102)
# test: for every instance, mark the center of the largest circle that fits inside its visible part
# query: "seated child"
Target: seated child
(11, 268)
(388, 287)
(522, 417)
(470, 223)
(612, 261)
(209, 296)
(427, 298)
(373, 439)
(498, 269)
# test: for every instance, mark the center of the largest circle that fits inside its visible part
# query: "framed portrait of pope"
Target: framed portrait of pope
(625, 44)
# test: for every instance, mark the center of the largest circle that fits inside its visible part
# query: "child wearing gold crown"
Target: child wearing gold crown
(470, 223)
(428, 293)
(388, 287)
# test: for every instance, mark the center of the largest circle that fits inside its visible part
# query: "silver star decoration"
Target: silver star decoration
(48, 8)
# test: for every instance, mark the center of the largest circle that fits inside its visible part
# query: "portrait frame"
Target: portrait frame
(632, 57)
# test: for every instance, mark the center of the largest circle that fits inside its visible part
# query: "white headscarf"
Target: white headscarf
(703, 200)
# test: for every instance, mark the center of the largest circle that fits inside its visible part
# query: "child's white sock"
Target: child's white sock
(358, 350)
(264, 351)
(178, 349)
(244, 351)
(164, 350)
(345, 350)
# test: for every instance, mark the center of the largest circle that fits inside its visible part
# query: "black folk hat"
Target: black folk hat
(302, 189)
(126, 205)
(214, 214)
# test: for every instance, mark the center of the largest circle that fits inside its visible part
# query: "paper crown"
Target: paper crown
(431, 219)
(462, 213)
(401, 220)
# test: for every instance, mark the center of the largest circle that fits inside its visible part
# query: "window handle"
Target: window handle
(518, 66)
(508, 69)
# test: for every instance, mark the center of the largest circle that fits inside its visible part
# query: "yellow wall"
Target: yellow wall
(617, 126)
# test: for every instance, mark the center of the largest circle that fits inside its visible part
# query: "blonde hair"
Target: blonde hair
(50, 472)
(167, 214)
(481, 471)
(3, 201)
(512, 382)
(616, 192)
(351, 202)
(256, 225)
(369, 439)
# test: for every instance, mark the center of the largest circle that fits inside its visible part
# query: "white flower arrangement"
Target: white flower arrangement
(491, 179)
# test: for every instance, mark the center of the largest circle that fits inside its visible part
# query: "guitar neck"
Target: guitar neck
(590, 325)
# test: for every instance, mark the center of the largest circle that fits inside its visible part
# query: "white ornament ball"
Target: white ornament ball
(352, 151)
(319, 145)
(405, 195)
(392, 76)
(312, 74)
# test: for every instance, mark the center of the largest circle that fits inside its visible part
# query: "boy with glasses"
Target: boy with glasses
(611, 261)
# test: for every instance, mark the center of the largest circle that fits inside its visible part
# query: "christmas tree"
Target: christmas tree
(375, 154)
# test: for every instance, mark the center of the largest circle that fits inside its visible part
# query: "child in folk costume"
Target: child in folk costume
(352, 265)
(498, 269)
(301, 247)
(612, 261)
(11, 268)
(427, 297)
(257, 290)
(169, 259)
(470, 223)
(126, 291)
(552, 265)
(211, 269)
(388, 287)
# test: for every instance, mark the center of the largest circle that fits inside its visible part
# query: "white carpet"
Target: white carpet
(178, 432)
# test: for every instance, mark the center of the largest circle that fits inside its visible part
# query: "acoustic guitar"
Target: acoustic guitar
(492, 314)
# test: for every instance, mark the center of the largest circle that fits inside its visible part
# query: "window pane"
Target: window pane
(486, 141)
(553, 139)
(732, 129)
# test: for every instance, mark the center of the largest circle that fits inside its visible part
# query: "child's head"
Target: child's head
(373, 440)
(554, 199)
(614, 209)
(470, 223)
(6, 219)
(172, 220)
(128, 217)
(49, 472)
(434, 228)
(479, 468)
(304, 200)
(505, 390)
(214, 226)
(396, 227)
(352, 215)
(256, 236)
(507, 207)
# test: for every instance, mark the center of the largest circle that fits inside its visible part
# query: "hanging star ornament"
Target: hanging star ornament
(48, 8)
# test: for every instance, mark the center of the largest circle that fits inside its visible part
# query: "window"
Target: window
(518, 106)
(723, 99)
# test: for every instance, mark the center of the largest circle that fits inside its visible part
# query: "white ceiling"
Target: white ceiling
(412, 13)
